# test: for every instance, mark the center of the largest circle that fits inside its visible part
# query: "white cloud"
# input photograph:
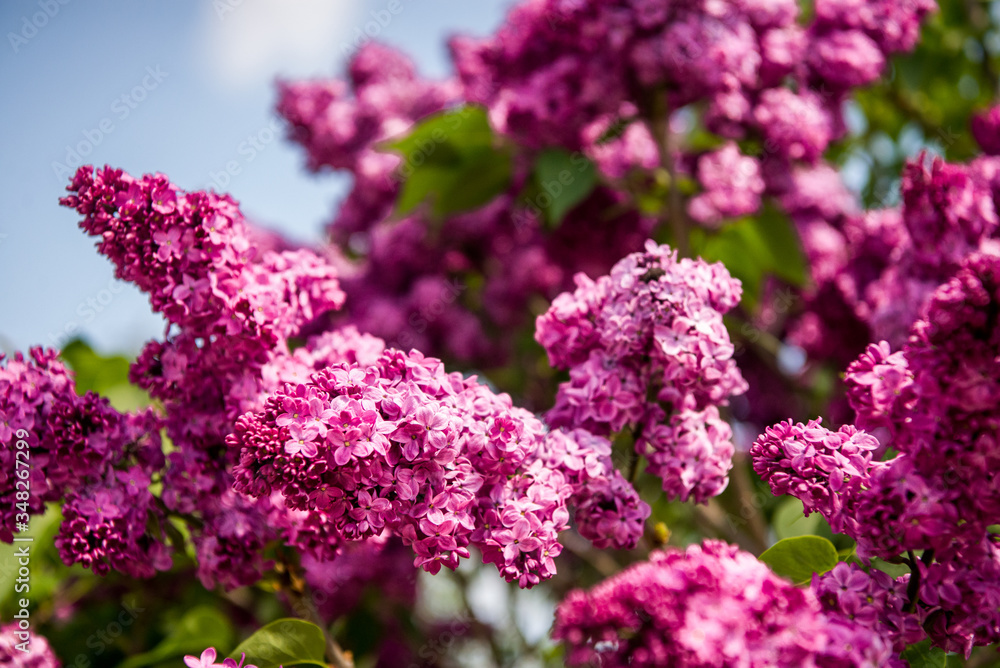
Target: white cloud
(249, 42)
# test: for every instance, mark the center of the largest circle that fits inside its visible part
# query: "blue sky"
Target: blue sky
(173, 87)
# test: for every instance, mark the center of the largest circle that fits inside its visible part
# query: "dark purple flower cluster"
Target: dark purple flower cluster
(875, 271)
(937, 400)
(711, 605)
(647, 350)
(80, 449)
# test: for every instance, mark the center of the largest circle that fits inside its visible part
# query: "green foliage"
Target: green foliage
(451, 162)
(927, 97)
(562, 181)
(752, 248)
(798, 558)
(922, 655)
(285, 642)
(789, 521)
(106, 376)
(201, 627)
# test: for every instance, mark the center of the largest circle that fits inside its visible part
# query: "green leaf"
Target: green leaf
(200, 628)
(284, 642)
(442, 138)
(798, 558)
(107, 376)
(565, 180)
(751, 248)
(790, 521)
(922, 655)
(485, 173)
(451, 162)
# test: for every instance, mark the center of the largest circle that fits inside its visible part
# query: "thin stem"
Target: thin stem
(913, 588)
(660, 128)
(601, 562)
(294, 585)
(633, 458)
(482, 629)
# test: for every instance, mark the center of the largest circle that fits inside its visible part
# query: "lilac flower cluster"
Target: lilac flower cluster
(341, 122)
(84, 451)
(647, 350)
(556, 70)
(608, 511)
(438, 459)
(876, 271)
(870, 598)
(442, 287)
(936, 401)
(824, 469)
(711, 605)
(231, 311)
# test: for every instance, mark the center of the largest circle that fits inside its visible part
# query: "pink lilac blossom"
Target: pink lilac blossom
(340, 123)
(84, 451)
(871, 599)
(232, 312)
(643, 345)
(38, 655)
(608, 510)
(709, 605)
(438, 459)
(732, 183)
(797, 124)
(893, 25)
(937, 399)
(824, 469)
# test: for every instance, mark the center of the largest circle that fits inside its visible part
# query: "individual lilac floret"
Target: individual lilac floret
(711, 605)
(646, 345)
(824, 469)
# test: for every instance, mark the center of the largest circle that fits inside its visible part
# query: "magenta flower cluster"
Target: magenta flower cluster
(438, 459)
(647, 351)
(87, 453)
(232, 303)
(824, 469)
(710, 605)
(936, 402)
